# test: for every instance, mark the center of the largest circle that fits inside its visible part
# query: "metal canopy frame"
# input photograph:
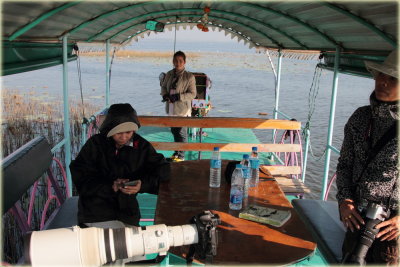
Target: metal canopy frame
(218, 14)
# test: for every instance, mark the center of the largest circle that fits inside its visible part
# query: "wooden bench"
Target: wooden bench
(22, 171)
(290, 186)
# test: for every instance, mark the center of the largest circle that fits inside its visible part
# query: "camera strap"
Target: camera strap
(389, 135)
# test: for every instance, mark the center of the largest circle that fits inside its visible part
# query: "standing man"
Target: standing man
(178, 89)
(368, 170)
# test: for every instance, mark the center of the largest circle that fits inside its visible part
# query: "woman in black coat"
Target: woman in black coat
(108, 160)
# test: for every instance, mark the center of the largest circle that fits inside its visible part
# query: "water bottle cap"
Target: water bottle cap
(216, 148)
(254, 148)
(245, 156)
(239, 166)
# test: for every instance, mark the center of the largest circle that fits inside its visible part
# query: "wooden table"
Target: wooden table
(240, 241)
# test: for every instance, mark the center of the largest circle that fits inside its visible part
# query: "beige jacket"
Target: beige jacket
(186, 88)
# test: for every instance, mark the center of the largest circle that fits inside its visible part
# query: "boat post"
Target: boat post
(277, 88)
(331, 122)
(67, 138)
(107, 73)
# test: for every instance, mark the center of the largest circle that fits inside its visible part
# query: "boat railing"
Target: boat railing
(218, 122)
(33, 193)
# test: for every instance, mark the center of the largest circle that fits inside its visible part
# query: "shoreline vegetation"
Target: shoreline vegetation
(24, 117)
(143, 54)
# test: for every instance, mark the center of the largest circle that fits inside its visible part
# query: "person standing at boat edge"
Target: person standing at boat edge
(369, 173)
(178, 89)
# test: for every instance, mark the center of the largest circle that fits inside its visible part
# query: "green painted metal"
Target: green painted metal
(277, 88)
(67, 146)
(15, 68)
(334, 149)
(360, 57)
(108, 73)
(107, 14)
(331, 123)
(42, 17)
(139, 17)
(20, 57)
(361, 72)
(296, 20)
(174, 11)
(235, 15)
(138, 33)
(58, 146)
(362, 21)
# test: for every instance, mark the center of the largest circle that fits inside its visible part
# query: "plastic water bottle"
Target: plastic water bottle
(246, 174)
(255, 164)
(215, 168)
(236, 196)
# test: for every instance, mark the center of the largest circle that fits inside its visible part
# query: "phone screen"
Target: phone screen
(131, 183)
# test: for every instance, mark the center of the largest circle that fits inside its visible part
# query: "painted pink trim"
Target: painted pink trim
(63, 174)
(32, 202)
(44, 212)
(147, 220)
(329, 187)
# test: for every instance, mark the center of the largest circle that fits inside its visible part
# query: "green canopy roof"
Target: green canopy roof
(358, 27)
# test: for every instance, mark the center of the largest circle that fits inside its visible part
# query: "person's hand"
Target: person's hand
(165, 97)
(118, 184)
(131, 189)
(349, 215)
(389, 229)
(174, 97)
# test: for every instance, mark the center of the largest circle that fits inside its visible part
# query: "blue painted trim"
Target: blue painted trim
(331, 123)
(67, 147)
(58, 146)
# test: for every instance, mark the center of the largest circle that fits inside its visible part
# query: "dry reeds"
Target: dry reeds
(25, 117)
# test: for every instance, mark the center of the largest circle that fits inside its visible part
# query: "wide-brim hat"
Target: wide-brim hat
(389, 66)
(122, 128)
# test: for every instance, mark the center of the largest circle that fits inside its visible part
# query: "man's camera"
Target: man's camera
(373, 215)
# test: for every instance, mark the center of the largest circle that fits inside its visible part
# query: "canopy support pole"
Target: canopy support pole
(277, 89)
(331, 122)
(107, 73)
(67, 138)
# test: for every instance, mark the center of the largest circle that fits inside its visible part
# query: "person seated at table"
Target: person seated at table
(108, 160)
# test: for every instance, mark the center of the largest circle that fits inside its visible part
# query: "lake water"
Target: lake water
(242, 86)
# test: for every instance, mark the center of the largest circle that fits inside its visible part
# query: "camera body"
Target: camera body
(373, 214)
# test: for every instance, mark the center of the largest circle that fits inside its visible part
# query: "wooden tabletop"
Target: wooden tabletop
(240, 241)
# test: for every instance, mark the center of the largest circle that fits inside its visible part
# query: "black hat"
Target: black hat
(120, 118)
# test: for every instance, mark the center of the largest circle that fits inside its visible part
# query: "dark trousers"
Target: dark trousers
(180, 135)
(381, 252)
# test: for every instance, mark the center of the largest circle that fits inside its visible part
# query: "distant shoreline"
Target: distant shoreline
(156, 54)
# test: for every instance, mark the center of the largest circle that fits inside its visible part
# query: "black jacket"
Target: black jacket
(98, 165)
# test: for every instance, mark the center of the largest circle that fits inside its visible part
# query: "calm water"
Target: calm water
(243, 86)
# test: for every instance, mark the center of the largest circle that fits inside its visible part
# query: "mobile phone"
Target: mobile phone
(131, 183)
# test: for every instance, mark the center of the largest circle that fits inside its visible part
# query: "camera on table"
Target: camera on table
(373, 215)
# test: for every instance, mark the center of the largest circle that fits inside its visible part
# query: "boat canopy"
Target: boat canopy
(359, 28)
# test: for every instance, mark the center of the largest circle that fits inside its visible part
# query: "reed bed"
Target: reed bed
(25, 117)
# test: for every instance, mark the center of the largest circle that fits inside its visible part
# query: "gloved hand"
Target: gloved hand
(165, 98)
(174, 97)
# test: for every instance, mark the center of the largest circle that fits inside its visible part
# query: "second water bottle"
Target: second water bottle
(215, 168)
(236, 194)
